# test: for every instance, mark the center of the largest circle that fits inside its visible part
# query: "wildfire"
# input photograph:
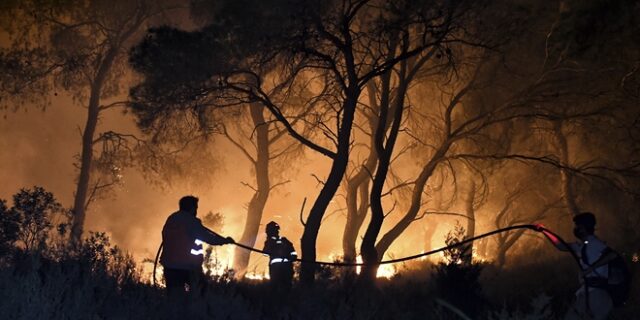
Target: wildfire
(257, 276)
(478, 258)
(219, 260)
(384, 271)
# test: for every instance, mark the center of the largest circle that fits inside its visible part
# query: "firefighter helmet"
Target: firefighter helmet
(272, 228)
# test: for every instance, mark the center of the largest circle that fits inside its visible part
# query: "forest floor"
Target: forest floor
(99, 282)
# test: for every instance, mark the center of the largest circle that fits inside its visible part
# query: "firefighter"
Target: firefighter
(281, 257)
(182, 236)
(592, 300)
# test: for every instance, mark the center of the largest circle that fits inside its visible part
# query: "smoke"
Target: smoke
(41, 146)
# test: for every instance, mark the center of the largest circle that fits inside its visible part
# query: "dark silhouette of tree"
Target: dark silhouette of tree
(529, 195)
(471, 115)
(490, 77)
(357, 181)
(327, 45)
(265, 151)
(78, 47)
(176, 62)
(9, 227)
(34, 210)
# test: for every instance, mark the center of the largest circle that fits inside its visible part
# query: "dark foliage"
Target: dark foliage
(9, 227)
(35, 212)
(457, 280)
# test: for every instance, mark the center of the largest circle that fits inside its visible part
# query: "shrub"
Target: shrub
(457, 279)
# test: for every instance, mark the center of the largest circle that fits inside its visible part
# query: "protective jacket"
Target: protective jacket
(590, 251)
(280, 250)
(182, 238)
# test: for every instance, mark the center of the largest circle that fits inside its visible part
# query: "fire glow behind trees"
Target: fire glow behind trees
(400, 123)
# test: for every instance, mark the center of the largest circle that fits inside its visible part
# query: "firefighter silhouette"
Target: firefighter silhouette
(281, 256)
(182, 236)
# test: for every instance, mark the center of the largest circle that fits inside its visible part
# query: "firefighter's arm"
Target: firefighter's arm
(554, 240)
(267, 248)
(208, 236)
(292, 251)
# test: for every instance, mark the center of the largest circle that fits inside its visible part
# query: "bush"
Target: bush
(9, 227)
(457, 280)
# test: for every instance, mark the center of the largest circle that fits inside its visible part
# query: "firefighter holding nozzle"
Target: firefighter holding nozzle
(281, 256)
(182, 236)
(593, 299)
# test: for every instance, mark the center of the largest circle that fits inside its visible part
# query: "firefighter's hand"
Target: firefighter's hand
(230, 240)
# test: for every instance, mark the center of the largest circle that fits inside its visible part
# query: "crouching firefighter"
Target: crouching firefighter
(182, 236)
(281, 256)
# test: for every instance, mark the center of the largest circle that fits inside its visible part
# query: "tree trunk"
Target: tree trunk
(416, 199)
(368, 250)
(86, 157)
(260, 197)
(565, 174)
(355, 217)
(471, 221)
(356, 212)
(338, 168)
(429, 231)
(507, 242)
(501, 255)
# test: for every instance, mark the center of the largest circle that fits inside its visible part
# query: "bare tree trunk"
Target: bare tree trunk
(355, 217)
(338, 168)
(356, 212)
(371, 251)
(86, 158)
(368, 250)
(429, 231)
(505, 244)
(80, 202)
(501, 255)
(565, 174)
(261, 195)
(471, 214)
(416, 200)
(506, 240)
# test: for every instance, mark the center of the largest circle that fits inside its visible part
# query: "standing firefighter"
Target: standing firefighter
(182, 236)
(593, 300)
(281, 257)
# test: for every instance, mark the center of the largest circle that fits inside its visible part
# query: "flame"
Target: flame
(257, 276)
(220, 261)
(478, 258)
(384, 271)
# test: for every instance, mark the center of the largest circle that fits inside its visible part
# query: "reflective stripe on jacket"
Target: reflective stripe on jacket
(182, 236)
(280, 250)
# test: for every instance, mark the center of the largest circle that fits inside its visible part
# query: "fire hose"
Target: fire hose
(537, 228)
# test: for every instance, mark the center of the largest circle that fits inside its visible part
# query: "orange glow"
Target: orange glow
(384, 271)
(257, 276)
